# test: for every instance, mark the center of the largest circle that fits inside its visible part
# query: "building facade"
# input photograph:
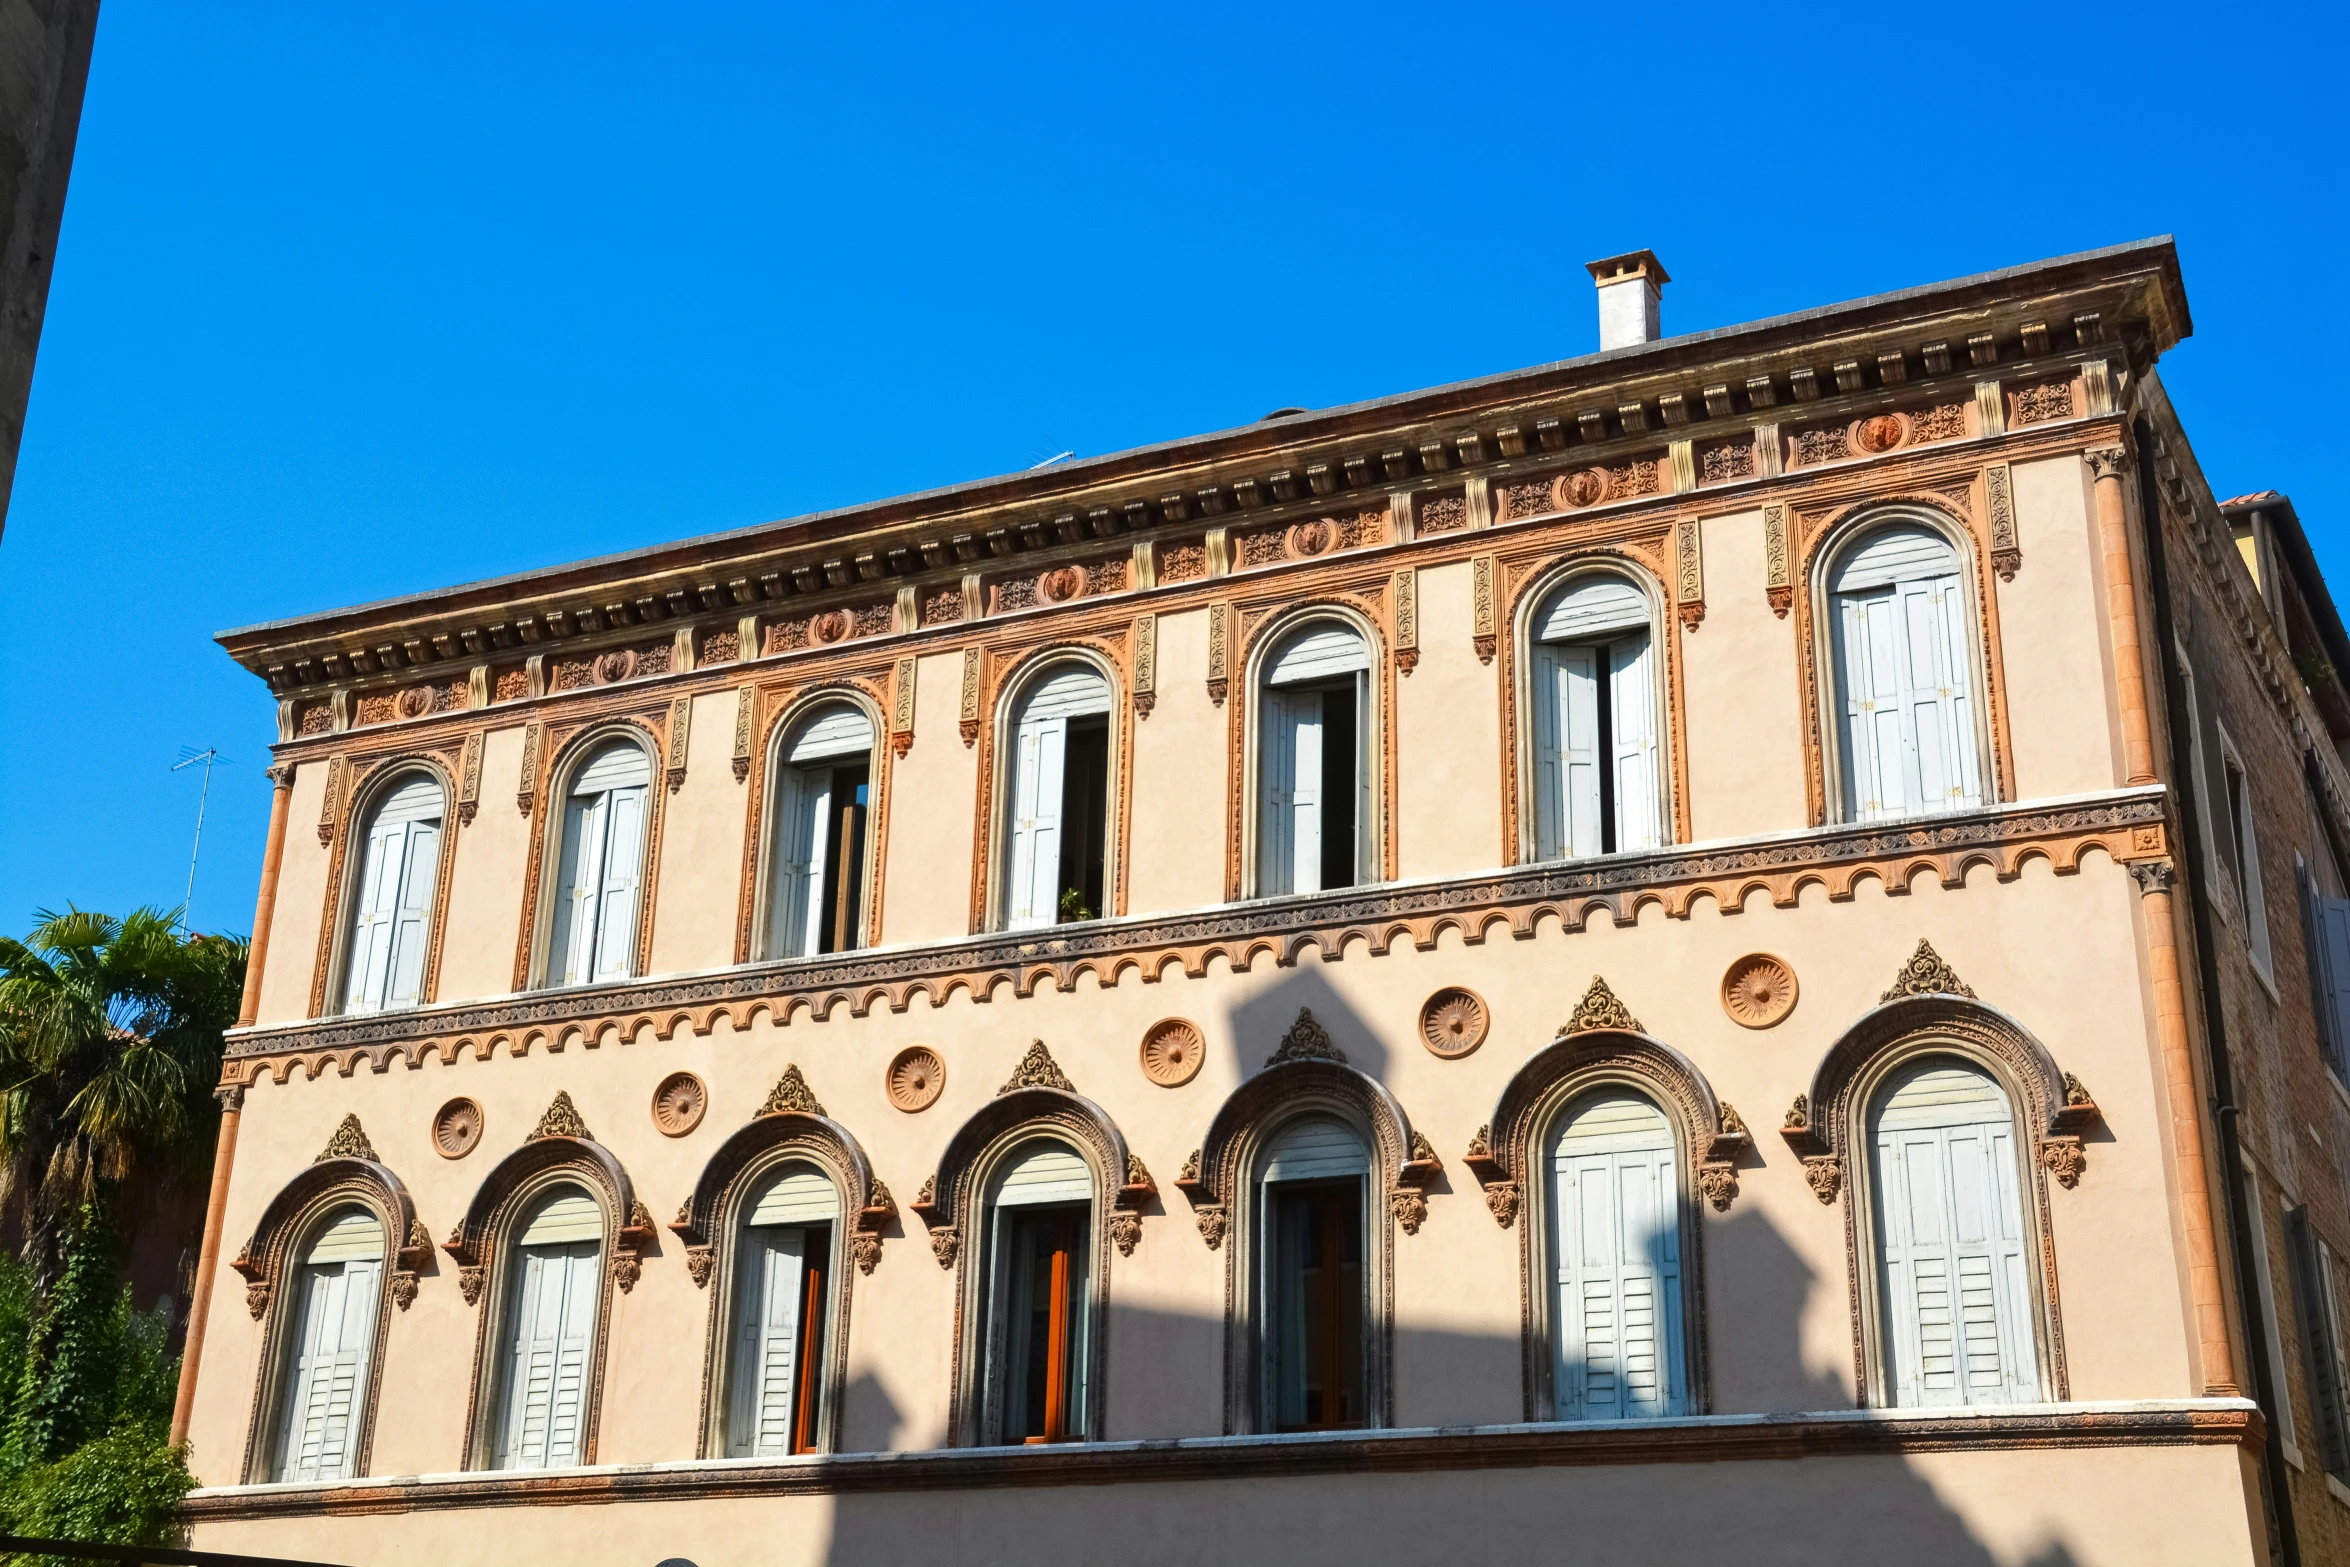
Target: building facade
(1741, 942)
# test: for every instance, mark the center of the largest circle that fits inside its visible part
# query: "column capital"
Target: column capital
(2107, 462)
(2154, 875)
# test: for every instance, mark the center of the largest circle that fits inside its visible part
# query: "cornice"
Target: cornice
(1829, 483)
(2126, 301)
(2125, 824)
(2213, 1422)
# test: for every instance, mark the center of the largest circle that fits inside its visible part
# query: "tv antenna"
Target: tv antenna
(189, 757)
(1053, 460)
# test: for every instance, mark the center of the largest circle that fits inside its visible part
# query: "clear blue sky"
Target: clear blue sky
(357, 301)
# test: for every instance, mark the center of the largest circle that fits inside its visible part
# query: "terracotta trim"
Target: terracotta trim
(2124, 824)
(561, 749)
(1696, 1440)
(365, 780)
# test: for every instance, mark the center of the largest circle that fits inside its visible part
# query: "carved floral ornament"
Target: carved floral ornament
(560, 1143)
(1930, 1009)
(346, 1172)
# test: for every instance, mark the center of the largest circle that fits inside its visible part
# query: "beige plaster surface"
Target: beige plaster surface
(2060, 712)
(1448, 734)
(2141, 1507)
(1175, 843)
(926, 890)
(301, 894)
(1741, 680)
(485, 884)
(702, 847)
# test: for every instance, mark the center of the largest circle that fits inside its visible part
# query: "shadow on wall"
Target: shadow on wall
(1862, 1508)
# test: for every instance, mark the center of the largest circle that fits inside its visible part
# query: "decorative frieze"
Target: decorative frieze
(1688, 573)
(967, 709)
(1483, 613)
(2007, 556)
(1146, 664)
(469, 778)
(681, 717)
(1778, 572)
(1404, 594)
(901, 706)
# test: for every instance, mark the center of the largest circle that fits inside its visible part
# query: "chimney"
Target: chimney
(1629, 289)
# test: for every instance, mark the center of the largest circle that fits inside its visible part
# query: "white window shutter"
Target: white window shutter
(1302, 743)
(615, 950)
(420, 864)
(1276, 787)
(766, 1350)
(1954, 1296)
(1615, 1241)
(547, 1364)
(1549, 690)
(1965, 784)
(803, 811)
(1039, 761)
(1579, 716)
(334, 1337)
(375, 914)
(580, 871)
(1632, 705)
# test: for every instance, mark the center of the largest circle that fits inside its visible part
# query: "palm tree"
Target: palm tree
(110, 1045)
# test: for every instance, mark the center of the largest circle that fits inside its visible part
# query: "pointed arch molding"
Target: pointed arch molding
(1039, 1098)
(1712, 1135)
(1825, 1128)
(346, 1173)
(559, 1151)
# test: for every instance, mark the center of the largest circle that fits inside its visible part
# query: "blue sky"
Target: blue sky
(353, 302)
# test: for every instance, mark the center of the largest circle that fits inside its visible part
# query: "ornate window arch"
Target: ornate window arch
(596, 856)
(1307, 1078)
(388, 886)
(559, 1153)
(1931, 1015)
(1300, 799)
(790, 1132)
(1900, 642)
(1595, 764)
(1058, 758)
(1037, 1104)
(346, 1177)
(819, 785)
(1604, 1048)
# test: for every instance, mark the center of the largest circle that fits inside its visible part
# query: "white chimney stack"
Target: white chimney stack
(1629, 290)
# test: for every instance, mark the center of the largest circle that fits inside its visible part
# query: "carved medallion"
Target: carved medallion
(613, 666)
(1453, 1022)
(834, 625)
(1584, 487)
(678, 1104)
(1314, 537)
(414, 702)
(917, 1076)
(1758, 990)
(456, 1128)
(1879, 433)
(1172, 1052)
(1061, 584)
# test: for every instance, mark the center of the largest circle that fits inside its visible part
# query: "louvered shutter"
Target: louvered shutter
(1550, 762)
(1038, 767)
(1290, 793)
(376, 914)
(1955, 1299)
(615, 941)
(334, 1337)
(2321, 1338)
(1962, 783)
(2333, 920)
(1616, 1242)
(547, 1377)
(766, 1346)
(1632, 707)
(803, 811)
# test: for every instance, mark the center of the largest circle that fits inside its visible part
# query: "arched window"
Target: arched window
(601, 869)
(338, 1290)
(1314, 1289)
(1615, 1260)
(1954, 1297)
(1039, 1295)
(1314, 762)
(818, 838)
(783, 1274)
(550, 1333)
(1593, 692)
(1901, 628)
(1056, 850)
(391, 903)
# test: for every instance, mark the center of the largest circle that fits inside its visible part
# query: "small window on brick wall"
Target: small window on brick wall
(2321, 1337)
(2247, 867)
(2325, 931)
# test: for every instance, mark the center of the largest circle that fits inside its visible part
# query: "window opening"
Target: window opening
(1616, 1250)
(551, 1333)
(1059, 802)
(1594, 701)
(331, 1343)
(1905, 677)
(600, 869)
(1314, 1292)
(391, 913)
(781, 1270)
(816, 899)
(1313, 764)
(1043, 1213)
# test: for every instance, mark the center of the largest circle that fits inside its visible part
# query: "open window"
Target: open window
(783, 1278)
(1314, 1293)
(550, 1333)
(1314, 762)
(391, 908)
(600, 870)
(1056, 859)
(1954, 1296)
(1593, 691)
(1901, 625)
(820, 812)
(330, 1345)
(1038, 1296)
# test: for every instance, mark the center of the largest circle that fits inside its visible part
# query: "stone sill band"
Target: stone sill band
(2199, 1422)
